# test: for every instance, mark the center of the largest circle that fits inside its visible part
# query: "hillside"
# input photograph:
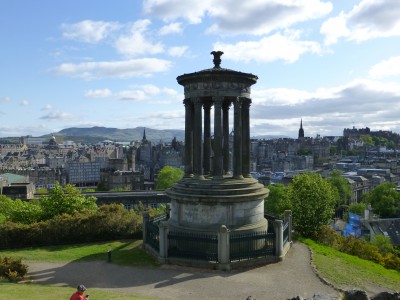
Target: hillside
(98, 134)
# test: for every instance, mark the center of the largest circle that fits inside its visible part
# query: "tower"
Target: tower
(301, 130)
(209, 196)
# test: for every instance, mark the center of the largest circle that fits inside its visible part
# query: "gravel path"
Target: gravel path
(292, 277)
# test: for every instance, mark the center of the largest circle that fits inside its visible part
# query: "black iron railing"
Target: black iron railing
(193, 246)
(285, 233)
(153, 231)
(251, 245)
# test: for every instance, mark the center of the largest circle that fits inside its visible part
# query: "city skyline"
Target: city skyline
(333, 64)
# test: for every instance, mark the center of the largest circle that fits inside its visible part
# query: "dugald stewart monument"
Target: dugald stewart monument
(217, 195)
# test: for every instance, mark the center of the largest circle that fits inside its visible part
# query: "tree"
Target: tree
(341, 187)
(168, 176)
(385, 200)
(357, 208)
(277, 201)
(312, 200)
(69, 200)
(20, 211)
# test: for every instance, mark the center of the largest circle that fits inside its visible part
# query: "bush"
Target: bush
(12, 269)
(358, 247)
(109, 222)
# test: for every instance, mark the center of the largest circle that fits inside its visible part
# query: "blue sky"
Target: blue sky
(335, 64)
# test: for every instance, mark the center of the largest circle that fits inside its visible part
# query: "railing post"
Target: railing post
(168, 211)
(288, 219)
(224, 262)
(163, 240)
(278, 227)
(146, 218)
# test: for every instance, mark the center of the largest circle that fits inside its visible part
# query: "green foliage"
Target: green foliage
(107, 223)
(41, 191)
(277, 201)
(12, 269)
(357, 208)
(101, 187)
(367, 140)
(121, 189)
(312, 201)
(383, 243)
(153, 212)
(69, 200)
(90, 191)
(376, 251)
(19, 211)
(168, 176)
(341, 188)
(385, 200)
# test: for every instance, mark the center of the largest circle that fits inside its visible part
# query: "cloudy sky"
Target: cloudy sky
(74, 63)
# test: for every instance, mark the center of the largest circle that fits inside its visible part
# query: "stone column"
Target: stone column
(225, 139)
(207, 138)
(198, 139)
(188, 138)
(288, 219)
(218, 158)
(246, 137)
(278, 227)
(146, 218)
(163, 242)
(224, 262)
(237, 139)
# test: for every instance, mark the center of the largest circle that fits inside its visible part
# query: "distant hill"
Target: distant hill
(99, 134)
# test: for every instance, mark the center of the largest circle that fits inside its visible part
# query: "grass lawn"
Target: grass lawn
(128, 253)
(17, 291)
(343, 270)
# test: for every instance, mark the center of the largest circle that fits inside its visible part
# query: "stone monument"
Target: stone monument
(210, 194)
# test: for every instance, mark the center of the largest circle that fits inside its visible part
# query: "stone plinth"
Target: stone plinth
(205, 205)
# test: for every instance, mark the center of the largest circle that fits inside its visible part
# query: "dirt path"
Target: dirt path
(292, 277)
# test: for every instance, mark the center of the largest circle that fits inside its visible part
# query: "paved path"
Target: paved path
(289, 278)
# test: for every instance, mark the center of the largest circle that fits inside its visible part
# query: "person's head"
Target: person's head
(81, 288)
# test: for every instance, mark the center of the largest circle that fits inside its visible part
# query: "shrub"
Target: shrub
(107, 223)
(12, 269)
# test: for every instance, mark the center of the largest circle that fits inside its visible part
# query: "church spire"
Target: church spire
(301, 130)
(144, 135)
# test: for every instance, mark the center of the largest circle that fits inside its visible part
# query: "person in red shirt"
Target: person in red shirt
(78, 295)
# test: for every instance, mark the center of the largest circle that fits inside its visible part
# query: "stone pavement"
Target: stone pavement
(287, 279)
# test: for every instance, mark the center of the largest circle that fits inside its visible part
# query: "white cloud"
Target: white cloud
(118, 69)
(191, 10)
(175, 27)
(137, 41)
(238, 16)
(5, 99)
(58, 116)
(150, 93)
(389, 67)
(177, 51)
(47, 107)
(89, 31)
(99, 93)
(286, 47)
(24, 103)
(327, 110)
(368, 20)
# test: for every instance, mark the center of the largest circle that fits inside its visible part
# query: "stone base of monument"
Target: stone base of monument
(206, 205)
(217, 218)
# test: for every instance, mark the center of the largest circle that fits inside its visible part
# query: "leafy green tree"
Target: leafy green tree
(277, 201)
(385, 200)
(69, 200)
(168, 176)
(20, 211)
(383, 243)
(341, 187)
(312, 200)
(357, 208)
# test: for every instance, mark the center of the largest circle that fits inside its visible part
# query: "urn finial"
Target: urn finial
(217, 58)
